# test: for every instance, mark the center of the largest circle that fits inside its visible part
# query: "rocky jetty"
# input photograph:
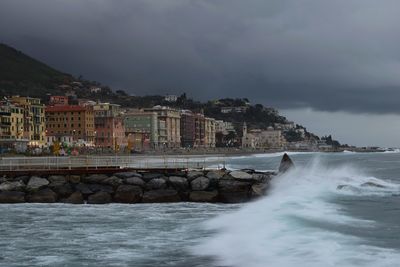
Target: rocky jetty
(137, 187)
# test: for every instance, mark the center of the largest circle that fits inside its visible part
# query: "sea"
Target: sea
(332, 209)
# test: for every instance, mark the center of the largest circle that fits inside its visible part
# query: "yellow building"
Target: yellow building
(33, 119)
(209, 140)
(12, 127)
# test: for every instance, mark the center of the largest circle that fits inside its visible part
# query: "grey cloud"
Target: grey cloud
(327, 55)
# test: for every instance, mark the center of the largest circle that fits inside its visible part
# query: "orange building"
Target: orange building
(74, 121)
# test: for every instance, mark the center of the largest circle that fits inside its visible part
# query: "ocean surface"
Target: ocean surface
(339, 209)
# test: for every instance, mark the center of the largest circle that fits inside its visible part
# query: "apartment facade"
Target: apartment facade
(209, 138)
(142, 130)
(187, 125)
(199, 130)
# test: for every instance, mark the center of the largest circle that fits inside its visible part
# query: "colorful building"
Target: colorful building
(199, 130)
(209, 139)
(142, 130)
(187, 129)
(58, 100)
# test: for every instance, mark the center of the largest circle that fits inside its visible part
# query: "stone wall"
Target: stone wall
(137, 187)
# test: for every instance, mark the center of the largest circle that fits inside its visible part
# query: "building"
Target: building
(240, 109)
(57, 100)
(266, 139)
(34, 119)
(209, 138)
(224, 127)
(12, 128)
(109, 126)
(142, 130)
(199, 130)
(169, 119)
(171, 98)
(75, 121)
(187, 129)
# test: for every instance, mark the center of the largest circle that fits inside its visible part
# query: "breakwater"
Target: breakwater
(137, 187)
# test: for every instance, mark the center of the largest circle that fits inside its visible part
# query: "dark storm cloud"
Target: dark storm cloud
(327, 55)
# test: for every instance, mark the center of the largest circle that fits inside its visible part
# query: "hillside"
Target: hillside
(21, 74)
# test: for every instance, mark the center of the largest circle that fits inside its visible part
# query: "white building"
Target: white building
(257, 138)
(171, 98)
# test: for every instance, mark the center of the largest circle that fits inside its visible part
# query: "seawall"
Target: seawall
(214, 186)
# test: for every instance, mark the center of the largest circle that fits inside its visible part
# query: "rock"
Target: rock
(215, 175)
(179, 183)
(234, 197)
(241, 175)
(101, 188)
(260, 177)
(157, 183)
(200, 183)
(124, 175)
(191, 175)
(150, 176)
(35, 183)
(99, 198)
(204, 196)
(128, 194)
(45, 195)
(95, 178)
(74, 179)
(249, 171)
(135, 181)
(113, 181)
(24, 179)
(372, 184)
(63, 190)
(258, 190)
(12, 197)
(234, 186)
(56, 184)
(56, 178)
(286, 164)
(83, 188)
(75, 198)
(12, 186)
(177, 173)
(161, 196)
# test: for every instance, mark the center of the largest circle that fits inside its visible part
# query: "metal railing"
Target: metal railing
(98, 162)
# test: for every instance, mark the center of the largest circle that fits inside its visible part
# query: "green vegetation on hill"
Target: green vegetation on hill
(21, 74)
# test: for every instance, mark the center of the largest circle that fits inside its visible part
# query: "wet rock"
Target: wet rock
(74, 179)
(179, 183)
(215, 175)
(124, 175)
(83, 188)
(24, 179)
(157, 183)
(45, 195)
(56, 178)
(241, 175)
(99, 198)
(95, 178)
(258, 190)
(191, 175)
(204, 196)
(12, 197)
(35, 183)
(286, 163)
(74, 198)
(372, 184)
(200, 183)
(63, 190)
(150, 176)
(101, 188)
(135, 181)
(161, 196)
(234, 191)
(234, 197)
(113, 181)
(178, 173)
(12, 186)
(128, 194)
(260, 177)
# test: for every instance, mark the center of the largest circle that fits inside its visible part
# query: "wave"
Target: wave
(298, 224)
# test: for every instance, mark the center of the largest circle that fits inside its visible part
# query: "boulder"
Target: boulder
(56, 178)
(101, 188)
(63, 190)
(234, 186)
(215, 175)
(191, 175)
(99, 198)
(241, 175)
(24, 179)
(150, 176)
(124, 175)
(157, 183)
(35, 183)
(74, 179)
(204, 196)
(234, 197)
(261, 177)
(286, 163)
(12, 197)
(177, 173)
(113, 181)
(95, 178)
(135, 181)
(45, 195)
(74, 198)
(179, 183)
(128, 194)
(12, 186)
(200, 183)
(83, 188)
(161, 196)
(258, 190)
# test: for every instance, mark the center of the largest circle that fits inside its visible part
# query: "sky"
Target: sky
(333, 66)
